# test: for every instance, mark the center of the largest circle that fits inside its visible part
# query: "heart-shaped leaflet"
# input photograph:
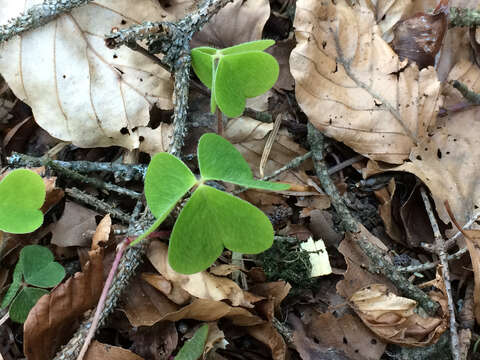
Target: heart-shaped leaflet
(22, 193)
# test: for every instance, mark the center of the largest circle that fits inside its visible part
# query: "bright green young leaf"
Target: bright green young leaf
(235, 73)
(22, 193)
(193, 348)
(167, 180)
(210, 220)
(15, 285)
(220, 160)
(24, 302)
(257, 45)
(39, 267)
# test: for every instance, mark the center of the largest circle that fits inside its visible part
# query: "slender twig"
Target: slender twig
(4, 318)
(378, 263)
(121, 172)
(448, 244)
(290, 165)
(37, 16)
(468, 94)
(462, 17)
(442, 254)
(97, 204)
(344, 164)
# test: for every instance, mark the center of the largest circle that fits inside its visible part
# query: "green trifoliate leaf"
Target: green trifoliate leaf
(24, 302)
(193, 348)
(39, 267)
(167, 180)
(236, 73)
(22, 193)
(14, 286)
(220, 160)
(257, 45)
(210, 220)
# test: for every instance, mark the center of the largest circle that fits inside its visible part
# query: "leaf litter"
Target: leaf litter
(360, 72)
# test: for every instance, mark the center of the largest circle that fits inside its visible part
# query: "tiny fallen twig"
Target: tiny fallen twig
(379, 263)
(439, 248)
(98, 204)
(468, 94)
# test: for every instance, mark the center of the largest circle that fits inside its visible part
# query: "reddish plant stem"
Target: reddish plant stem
(101, 302)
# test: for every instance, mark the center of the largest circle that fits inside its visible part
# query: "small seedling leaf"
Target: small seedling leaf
(210, 220)
(257, 45)
(220, 160)
(167, 180)
(193, 348)
(14, 286)
(23, 193)
(39, 269)
(202, 61)
(24, 302)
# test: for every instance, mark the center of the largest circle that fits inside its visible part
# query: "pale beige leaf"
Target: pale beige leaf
(201, 285)
(102, 233)
(239, 22)
(353, 87)
(80, 90)
(156, 140)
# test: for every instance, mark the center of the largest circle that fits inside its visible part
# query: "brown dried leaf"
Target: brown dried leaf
(239, 22)
(97, 350)
(267, 334)
(201, 285)
(281, 51)
(353, 87)
(56, 316)
(448, 163)
(385, 197)
(76, 220)
(392, 317)
(144, 306)
(419, 38)
(347, 334)
(173, 293)
(155, 342)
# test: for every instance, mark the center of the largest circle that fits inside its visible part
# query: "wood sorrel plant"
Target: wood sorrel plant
(235, 73)
(211, 219)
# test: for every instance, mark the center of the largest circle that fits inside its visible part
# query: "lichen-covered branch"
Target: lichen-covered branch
(97, 204)
(439, 247)
(462, 17)
(468, 94)
(37, 16)
(378, 263)
(121, 172)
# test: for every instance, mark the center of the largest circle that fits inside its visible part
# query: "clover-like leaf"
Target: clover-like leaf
(22, 193)
(14, 286)
(193, 348)
(235, 73)
(24, 302)
(39, 267)
(210, 220)
(220, 160)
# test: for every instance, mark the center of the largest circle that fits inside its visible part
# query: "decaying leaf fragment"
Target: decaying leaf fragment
(352, 85)
(393, 319)
(80, 90)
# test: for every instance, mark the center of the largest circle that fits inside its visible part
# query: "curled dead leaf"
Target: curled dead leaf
(201, 285)
(98, 350)
(393, 319)
(55, 317)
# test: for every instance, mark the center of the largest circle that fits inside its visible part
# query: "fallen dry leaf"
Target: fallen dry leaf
(56, 316)
(98, 350)
(239, 22)
(102, 233)
(393, 318)
(215, 335)
(267, 334)
(172, 292)
(448, 162)
(156, 342)
(385, 198)
(87, 93)
(201, 285)
(156, 140)
(347, 334)
(352, 85)
(281, 51)
(74, 222)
